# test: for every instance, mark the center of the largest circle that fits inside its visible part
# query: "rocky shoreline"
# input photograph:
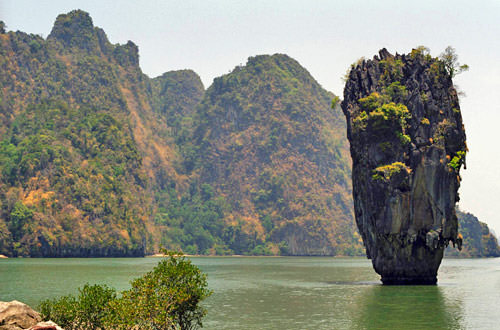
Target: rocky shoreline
(15, 315)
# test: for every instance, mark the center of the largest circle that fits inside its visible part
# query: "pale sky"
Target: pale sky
(212, 37)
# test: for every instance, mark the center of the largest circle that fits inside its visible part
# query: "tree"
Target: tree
(450, 59)
(86, 311)
(168, 297)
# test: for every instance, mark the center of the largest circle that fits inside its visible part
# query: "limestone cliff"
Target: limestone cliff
(407, 145)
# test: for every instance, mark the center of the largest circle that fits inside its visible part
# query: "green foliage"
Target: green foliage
(372, 101)
(168, 297)
(20, 217)
(380, 114)
(261, 250)
(335, 101)
(457, 160)
(194, 223)
(86, 311)
(396, 91)
(392, 70)
(389, 113)
(268, 140)
(386, 172)
(75, 29)
(61, 310)
(405, 139)
(87, 167)
(46, 147)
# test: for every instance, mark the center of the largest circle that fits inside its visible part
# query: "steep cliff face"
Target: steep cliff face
(407, 145)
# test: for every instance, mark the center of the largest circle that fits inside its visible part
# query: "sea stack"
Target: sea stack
(408, 145)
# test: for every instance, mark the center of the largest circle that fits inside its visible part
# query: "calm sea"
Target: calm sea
(289, 293)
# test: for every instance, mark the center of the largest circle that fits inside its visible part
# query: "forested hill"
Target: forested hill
(269, 141)
(478, 240)
(83, 144)
(98, 159)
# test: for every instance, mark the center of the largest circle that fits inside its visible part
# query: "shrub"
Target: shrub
(62, 310)
(167, 297)
(335, 101)
(457, 160)
(86, 311)
(386, 172)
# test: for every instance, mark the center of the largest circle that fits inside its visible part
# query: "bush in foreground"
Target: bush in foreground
(168, 297)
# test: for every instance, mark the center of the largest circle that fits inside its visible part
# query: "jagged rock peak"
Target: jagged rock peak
(74, 29)
(407, 145)
(127, 54)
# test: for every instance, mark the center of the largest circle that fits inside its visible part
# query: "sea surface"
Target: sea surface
(288, 292)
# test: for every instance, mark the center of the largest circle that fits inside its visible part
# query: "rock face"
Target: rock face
(407, 145)
(15, 315)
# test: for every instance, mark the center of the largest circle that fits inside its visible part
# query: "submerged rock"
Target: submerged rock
(407, 145)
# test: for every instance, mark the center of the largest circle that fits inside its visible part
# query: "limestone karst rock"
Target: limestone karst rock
(407, 145)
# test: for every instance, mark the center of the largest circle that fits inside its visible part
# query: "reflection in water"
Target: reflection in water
(407, 307)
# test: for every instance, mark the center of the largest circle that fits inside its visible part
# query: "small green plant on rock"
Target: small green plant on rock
(335, 101)
(380, 113)
(385, 172)
(457, 160)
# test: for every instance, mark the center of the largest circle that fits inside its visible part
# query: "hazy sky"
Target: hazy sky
(212, 37)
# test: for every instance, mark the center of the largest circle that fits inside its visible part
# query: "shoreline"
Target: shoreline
(160, 255)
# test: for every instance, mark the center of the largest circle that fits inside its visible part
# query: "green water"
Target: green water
(289, 293)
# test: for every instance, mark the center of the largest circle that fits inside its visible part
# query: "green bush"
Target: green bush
(62, 310)
(386, 172)
(167, 297)
(457, 160)
(86, 311)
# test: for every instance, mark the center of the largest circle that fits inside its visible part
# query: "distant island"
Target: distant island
(99, 160)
